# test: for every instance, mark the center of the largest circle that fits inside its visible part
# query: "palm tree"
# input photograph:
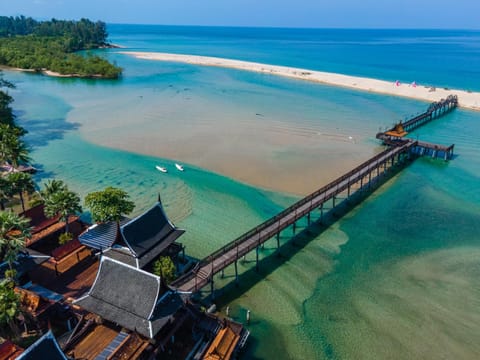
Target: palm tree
(12, 148)
(4, 192)
(20, 183)
(14, 231)
(52, 187)
(109, 204)
(59, 200)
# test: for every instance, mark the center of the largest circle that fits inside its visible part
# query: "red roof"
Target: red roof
(38, 220)
(9, 350)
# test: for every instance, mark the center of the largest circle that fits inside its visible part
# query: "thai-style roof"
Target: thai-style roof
(144, 237)
(130, 297)
(397, 131)
(44, 348)
(102, 236)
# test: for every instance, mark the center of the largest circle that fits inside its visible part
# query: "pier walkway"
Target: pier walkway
(400, 151)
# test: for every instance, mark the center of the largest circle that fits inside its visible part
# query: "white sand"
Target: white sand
(469, 100)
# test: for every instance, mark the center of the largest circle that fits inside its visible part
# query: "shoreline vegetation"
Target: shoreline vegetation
(50, 47)
(467, 99)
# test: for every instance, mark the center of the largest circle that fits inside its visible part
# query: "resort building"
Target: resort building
(136, 242)
(130, 297)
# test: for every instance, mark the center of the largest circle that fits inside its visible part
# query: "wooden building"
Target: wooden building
(8, 350)
(135, 242)
(130, 297)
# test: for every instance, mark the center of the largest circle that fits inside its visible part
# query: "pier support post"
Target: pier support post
(278, 239)
(321, 211)
(294, 227)
(308, 219)
(333, 201)
(212, 288)
(222, 274)
(256, 262)
(236, 273)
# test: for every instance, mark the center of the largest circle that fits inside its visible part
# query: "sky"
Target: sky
(435, 14)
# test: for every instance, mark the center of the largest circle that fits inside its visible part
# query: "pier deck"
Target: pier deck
(400, 151)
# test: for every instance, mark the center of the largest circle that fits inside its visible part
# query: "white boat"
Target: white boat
(179, 167)
(161, 168)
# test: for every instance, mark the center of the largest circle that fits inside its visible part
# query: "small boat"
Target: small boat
(161, 168)
(179, 167)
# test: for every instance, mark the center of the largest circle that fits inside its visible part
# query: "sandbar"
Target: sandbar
(466, 99)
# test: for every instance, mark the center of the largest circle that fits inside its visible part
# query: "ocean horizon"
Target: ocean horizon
(396, 277)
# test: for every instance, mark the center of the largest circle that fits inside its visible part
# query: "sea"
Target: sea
(395, 277)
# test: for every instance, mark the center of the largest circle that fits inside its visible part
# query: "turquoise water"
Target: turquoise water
(397, 277)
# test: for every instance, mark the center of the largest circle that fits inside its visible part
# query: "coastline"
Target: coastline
(467, 99)
(52, 73)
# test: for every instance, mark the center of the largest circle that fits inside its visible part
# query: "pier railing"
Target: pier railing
(203, 272)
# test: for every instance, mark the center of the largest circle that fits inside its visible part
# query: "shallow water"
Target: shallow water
(397, 277)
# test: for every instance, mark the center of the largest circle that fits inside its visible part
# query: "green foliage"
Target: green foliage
(9, 307)
(53, 186)
(49, 45)
(14, 231)
(165, 268)
(4, 192)
(65, 237)
(59, 200)
(9, 302)
(84, 34)
(20, 183)
(12, 148)
(109, 204)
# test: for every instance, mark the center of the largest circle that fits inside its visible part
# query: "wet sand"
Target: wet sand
(270, 154)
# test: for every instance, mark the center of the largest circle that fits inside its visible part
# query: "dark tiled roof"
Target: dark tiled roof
(129, 297)
(121, 254)
(44, 348)
(101, 236)
(150, 230)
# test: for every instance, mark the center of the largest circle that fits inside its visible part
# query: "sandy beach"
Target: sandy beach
(467, 99)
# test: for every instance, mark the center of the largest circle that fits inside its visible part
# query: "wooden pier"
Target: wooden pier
(400, 151)
(434, 111)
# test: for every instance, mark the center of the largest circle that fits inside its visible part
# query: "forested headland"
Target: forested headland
(52, 45)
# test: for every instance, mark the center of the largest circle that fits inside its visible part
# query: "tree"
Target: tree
(59, 200)
(14, 231)
(109, 204)
(9, 306)
(4, 192)
(5, 83)
(20, 183)
(51, 187)
(165, 268)
(12, 148)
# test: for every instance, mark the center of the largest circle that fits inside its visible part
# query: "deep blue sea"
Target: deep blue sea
(433, 57)
(398, 277)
